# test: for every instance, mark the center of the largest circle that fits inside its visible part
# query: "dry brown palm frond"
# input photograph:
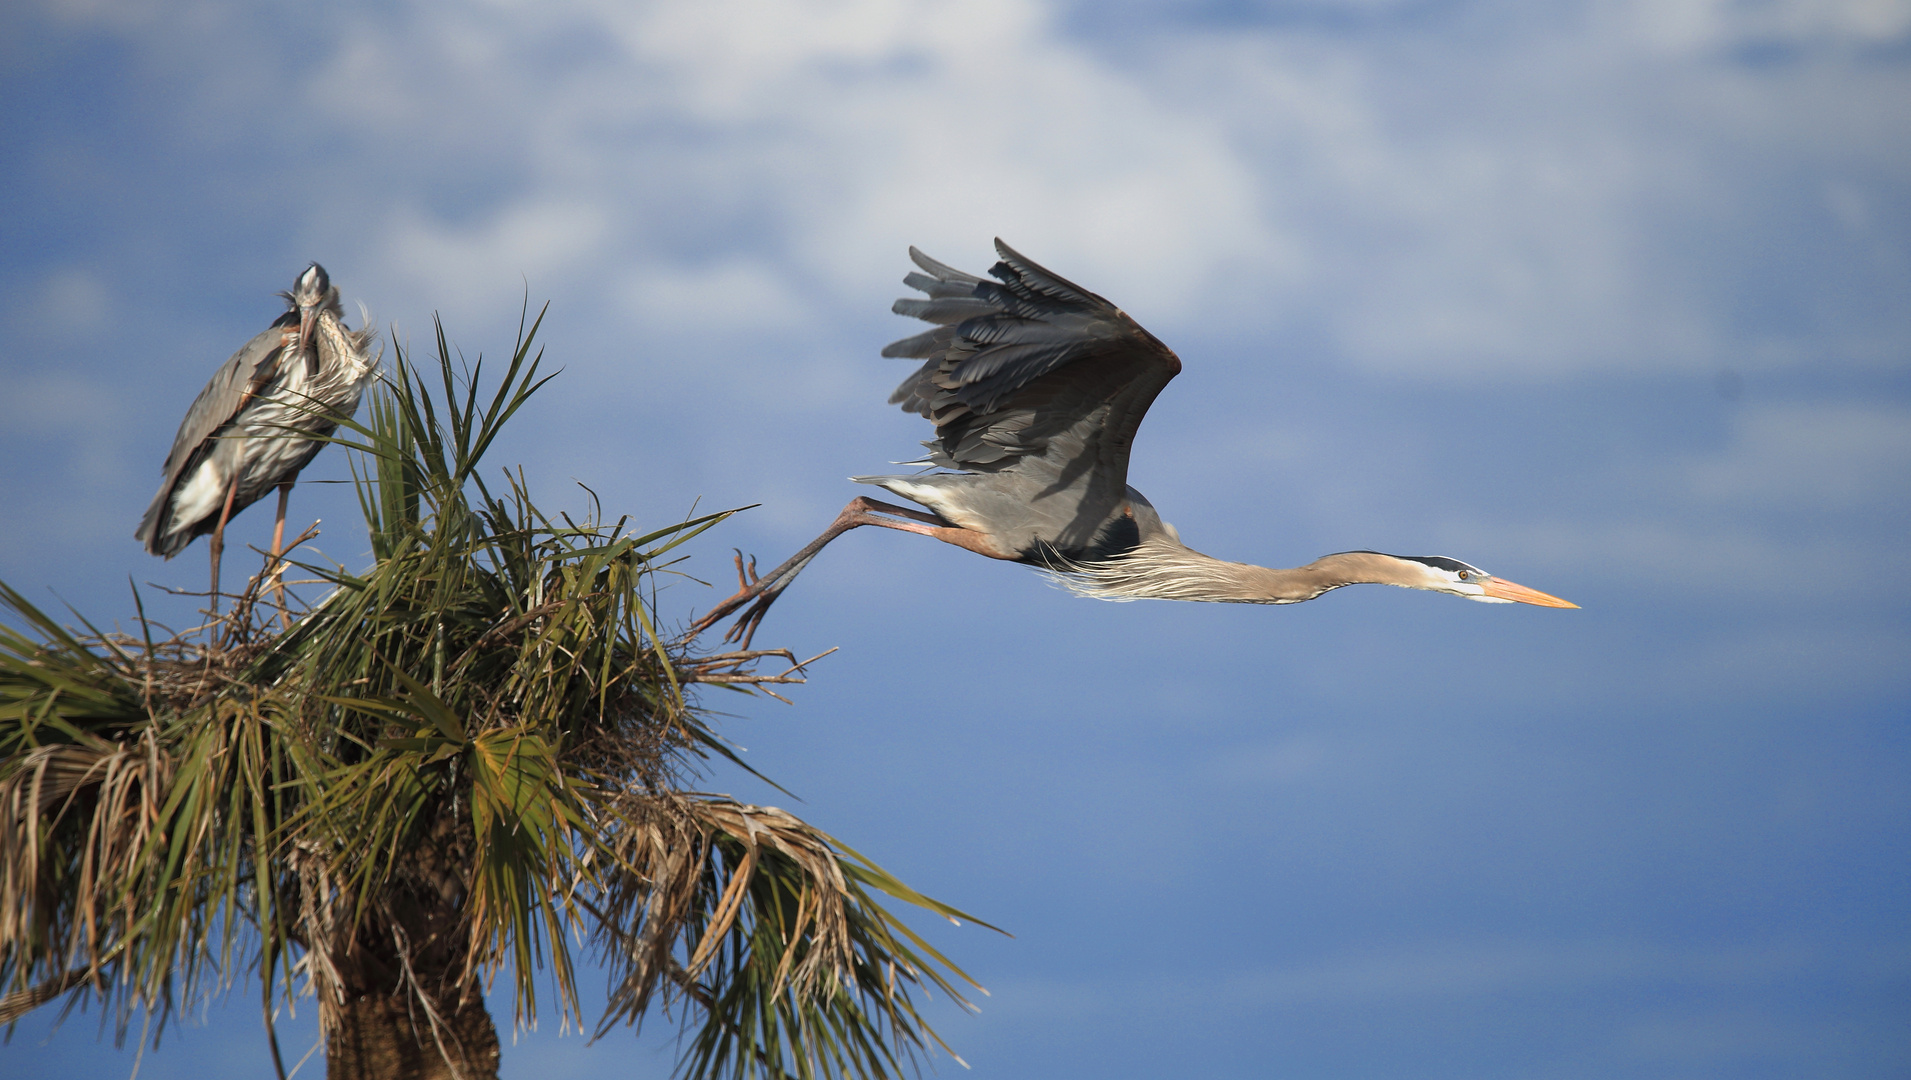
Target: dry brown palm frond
(121, 835)
(747, 911)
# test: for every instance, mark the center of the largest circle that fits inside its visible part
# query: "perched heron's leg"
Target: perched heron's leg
(860, 511)
(278, 547)
(219, 538)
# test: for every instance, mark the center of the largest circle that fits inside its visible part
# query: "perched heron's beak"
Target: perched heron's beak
(1502, 589)
(308, 317)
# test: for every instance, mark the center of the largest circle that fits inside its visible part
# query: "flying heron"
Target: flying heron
(260, 420)
(1036, 387)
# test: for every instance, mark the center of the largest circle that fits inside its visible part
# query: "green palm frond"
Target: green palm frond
(461, 758)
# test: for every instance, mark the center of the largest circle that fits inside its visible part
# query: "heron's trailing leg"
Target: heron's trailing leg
(219, 539)
(764, 590)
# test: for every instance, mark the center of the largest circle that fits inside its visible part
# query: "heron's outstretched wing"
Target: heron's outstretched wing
(251, 368)
(1030, 360)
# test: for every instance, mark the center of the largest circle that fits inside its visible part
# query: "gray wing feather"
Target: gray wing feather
(1014, 362)
(251, 367)
(944, 310)
(960, 284)
(945, 276)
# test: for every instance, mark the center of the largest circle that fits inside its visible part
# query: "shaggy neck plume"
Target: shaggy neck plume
(1162, 569)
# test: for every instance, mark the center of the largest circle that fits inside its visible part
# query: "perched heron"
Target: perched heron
(1036, 387)
(260, 420)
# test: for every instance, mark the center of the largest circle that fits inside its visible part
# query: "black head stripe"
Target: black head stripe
(1441, 562)
(1438, 562)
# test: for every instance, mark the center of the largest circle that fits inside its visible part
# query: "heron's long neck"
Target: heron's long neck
(342, 351)
(1165, 569)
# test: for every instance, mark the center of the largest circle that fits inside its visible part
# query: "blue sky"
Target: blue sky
(1612, 299)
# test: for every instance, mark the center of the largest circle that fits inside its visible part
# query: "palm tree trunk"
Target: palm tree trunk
(411, 949)
(386, 1036)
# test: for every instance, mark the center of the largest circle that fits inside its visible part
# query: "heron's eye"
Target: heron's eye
(1464, 576)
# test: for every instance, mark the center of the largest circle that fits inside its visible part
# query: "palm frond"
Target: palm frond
(765, 925)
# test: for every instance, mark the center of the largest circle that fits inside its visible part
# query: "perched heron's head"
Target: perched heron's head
(1441, 574)
(310, 289)
(311, 294)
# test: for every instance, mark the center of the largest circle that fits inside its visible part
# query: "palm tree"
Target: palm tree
(439, 773)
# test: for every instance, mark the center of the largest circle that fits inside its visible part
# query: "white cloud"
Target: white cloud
(1813, 458)
(729, 298)
(539, 239)
(1800, 503)
(73, 302)
(79, 438)
(1561, 193)
(1558, 195)
(822, 136)
(1709, 25)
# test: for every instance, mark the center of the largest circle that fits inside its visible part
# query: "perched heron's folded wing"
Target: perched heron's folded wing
(215, 407)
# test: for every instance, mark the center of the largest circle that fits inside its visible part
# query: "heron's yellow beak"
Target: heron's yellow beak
(308, 317)
(1502, 589)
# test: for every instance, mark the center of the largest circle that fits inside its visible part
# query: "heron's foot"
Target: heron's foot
(749, 586)
(745, 584)
(757, 592)
(744, 628)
